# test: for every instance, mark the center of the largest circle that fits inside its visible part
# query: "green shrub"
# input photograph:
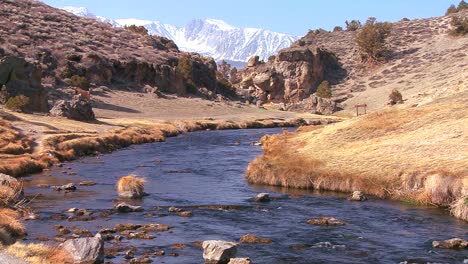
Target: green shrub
(353, 25)
(137, 29)
(80, 82)
(17, 103)
(324, 90)
(372, 40)
(460, 26)
(184, 66)
(395, 97)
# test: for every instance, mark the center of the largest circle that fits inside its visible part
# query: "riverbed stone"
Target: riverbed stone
(67, 187)
(357, 196)
(218, 251)
(325, 221)
(262, 198)
(240, 261)
(10, 259)
(185, 213)
(453, 243)
(85, 249)
(127, 208)
(253, 239)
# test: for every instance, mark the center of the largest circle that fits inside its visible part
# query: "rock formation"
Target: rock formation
(19, 77)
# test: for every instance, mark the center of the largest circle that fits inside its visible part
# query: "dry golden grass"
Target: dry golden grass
(11, 140)
(419, 154)
(131, 184)
(459, 208)
(11, 227)
(39, 253)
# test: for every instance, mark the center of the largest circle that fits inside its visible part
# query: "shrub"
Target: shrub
(353, 25)
(80, 82)
(459, 26)
(324, 90)
(17, 103)
(337, 28)
(137, 29)
(395, 97)
(184, 66)
(271, 58)
(452, 9)
(372, 40)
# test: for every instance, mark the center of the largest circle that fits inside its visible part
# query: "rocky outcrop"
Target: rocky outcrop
(86, 249)
(77, 109)
(218, 251)
(292, 76)
(19, 77)
(253, 61)
(315, 105)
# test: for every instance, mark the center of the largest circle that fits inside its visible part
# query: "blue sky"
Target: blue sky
(294, 17)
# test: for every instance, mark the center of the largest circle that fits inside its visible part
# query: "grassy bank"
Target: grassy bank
(415, 154)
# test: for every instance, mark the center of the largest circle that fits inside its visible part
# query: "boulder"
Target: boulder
(126, 208)
(262, 198)
(218, 251)
(85, 249)
(14, 184)
(253, 61)
(315, 105)
(19, 77)
(295, 54)
(454, 243)
(357, 196)
(10, 259)
(240, 261)
(77, 109)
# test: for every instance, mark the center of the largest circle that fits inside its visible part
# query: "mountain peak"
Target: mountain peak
(221, 24)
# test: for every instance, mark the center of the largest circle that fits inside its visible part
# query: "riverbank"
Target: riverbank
(417, 155)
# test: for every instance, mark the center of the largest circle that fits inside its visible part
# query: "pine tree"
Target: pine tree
(324, 90)
(372, 40)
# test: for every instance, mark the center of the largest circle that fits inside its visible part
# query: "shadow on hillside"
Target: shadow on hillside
(106, 106)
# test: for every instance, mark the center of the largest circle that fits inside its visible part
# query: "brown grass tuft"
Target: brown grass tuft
(132, 184)
(39, 253)
(11, 227)
(459, 208)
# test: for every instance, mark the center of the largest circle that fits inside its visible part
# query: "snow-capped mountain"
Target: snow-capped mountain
(211, 37)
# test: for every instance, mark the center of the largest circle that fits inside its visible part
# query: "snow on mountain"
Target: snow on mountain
(211, 37)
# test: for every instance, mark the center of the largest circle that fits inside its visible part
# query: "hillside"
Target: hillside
(210, 37)
(61, 45)
(425, 63)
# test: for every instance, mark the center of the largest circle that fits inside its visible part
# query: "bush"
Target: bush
(80, 82)
(184, 66)
(337, 28)
(452, 9)
(137, 29)
(353, 25)
(460, 26)
(395, 97)
(372, 40)
(324, 90)
(17, 103)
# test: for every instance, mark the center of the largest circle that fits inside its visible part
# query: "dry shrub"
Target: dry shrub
(11, 227)
(132, 184)
(39, 253)
(459, 208)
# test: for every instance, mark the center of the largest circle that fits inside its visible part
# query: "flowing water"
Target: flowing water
(207, 168)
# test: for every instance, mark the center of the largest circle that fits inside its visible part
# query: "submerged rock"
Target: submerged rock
(126, 208)
(240, 261)
(253, 239)
(357, 196)
(454, 243)
(262, 198)
(218, 251)
(86, 249)
(325, 221)
(185, 213)
(67, 187)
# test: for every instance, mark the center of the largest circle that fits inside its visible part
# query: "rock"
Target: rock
(262, 198)
(72, 210)
(253, 61)
(87, 183)
(66, 187)
(325, 221)
(173, 209)
(43, 185)
(315, 105)
(129, 254)
(126, 208)
(240, 261)
(14, 184)
(123, 227)
(10, 259)
(185, 213)
(77, 109)
(141, 260)
(86, 249)
(357, 196)
(253, 239)
(218, 251)
(155, 228)
(454, 243)
(19, 77)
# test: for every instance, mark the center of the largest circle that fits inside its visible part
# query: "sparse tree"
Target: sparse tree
(224, 69)
(395, 97)
(353, 25)
(324, 90)
(372, 40)
(452, 9)
(462, 5)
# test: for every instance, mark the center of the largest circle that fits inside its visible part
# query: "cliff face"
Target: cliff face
(290, 77)
(63, 45)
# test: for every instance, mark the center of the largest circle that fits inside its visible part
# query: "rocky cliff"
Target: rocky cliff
(62, 45)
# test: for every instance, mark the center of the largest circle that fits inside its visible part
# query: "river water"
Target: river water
(207, 168)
